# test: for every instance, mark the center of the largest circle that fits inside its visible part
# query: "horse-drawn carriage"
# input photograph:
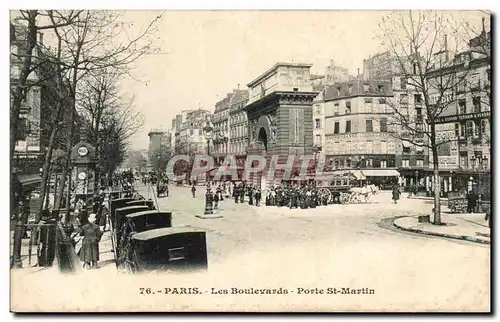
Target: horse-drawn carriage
(143, 238)
(344, 186)
(162, 189)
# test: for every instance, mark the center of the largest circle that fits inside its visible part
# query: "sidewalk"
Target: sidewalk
(470, 227)
(106, 255)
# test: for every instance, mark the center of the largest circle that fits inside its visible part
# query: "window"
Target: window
(484, 126)
(383, 125)
(403, 99)
(317, 109)
(349, 89)
(347, 107)
(474, 82)
(488, 73)
(369, 163)
(462, 129)
(476, 102)
(348, 163)
(403, 83)
(317, 140)
(369, 146)
(381, 100)
(383, 164)
(380, 88)
(347, 126)
(336, 128)
(383, 147)
(336, 109)
(366, 88)
(464, 162)
(420, 163)
(418, 110)
(417, 98)
(462, 107)
(369, 126)
(477, 128)
(336, 164)
(405, 163)
(469, 128)
(191, 132)
(200, 132)
(317, 124)
(338, 91)
(368, 100)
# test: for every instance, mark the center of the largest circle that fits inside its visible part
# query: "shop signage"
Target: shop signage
(462, 117)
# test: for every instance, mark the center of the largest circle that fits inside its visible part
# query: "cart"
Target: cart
(335, 186)
(457, 202)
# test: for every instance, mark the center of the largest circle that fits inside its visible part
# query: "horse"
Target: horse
(366, 192)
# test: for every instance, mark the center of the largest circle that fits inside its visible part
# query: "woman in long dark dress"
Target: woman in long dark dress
(89, 254)
(395, 193)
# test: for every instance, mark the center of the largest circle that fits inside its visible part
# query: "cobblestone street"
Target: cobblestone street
(338, 246)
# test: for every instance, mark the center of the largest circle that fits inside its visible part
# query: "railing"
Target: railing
(47, 242)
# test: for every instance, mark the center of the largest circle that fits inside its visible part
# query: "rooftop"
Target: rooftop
(274, 68)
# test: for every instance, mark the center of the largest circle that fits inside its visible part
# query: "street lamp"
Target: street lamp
(208, 132)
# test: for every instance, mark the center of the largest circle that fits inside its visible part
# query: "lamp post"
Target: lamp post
(208, 213)
(208, 132)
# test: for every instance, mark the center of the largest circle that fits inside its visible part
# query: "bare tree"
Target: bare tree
(98, 40)
(424, 46)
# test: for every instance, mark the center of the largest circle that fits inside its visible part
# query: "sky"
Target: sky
(206, 54)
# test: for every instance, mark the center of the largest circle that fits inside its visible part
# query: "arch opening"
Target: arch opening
(262, 137)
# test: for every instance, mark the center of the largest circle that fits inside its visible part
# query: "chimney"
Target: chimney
(238, 86)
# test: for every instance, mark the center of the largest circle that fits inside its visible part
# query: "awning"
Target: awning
(381, 173)
(406, 144)
(351, 174)
(224, 171)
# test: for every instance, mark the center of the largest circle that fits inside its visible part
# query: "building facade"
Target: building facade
(238, 134)
(464, 126)
(28, 147)
(189, 137)
(357, 129)
(220, 123)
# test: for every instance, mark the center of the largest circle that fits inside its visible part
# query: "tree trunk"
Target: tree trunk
(45, 171)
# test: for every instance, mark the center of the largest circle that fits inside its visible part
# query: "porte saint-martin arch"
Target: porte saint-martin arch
(279, 114)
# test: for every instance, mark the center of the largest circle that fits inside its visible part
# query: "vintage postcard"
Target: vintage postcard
(250, 161)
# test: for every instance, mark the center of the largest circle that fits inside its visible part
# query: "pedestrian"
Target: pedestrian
(257, 198)
(193, 191)
(395, 193)
(216, 200)
(488, 217)
(470, 203)
(89, 253)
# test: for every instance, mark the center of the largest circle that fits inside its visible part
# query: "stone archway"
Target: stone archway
(262, 138)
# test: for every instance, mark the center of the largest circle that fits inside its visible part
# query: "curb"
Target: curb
(428, 233)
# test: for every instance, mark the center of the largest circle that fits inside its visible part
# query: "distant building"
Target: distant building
(356, 128)
(28, 145)
(238, 136)
(220, 122)
(466, 121)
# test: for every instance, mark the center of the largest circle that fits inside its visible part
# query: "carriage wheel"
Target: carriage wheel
(344, 198)
(325, 192)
